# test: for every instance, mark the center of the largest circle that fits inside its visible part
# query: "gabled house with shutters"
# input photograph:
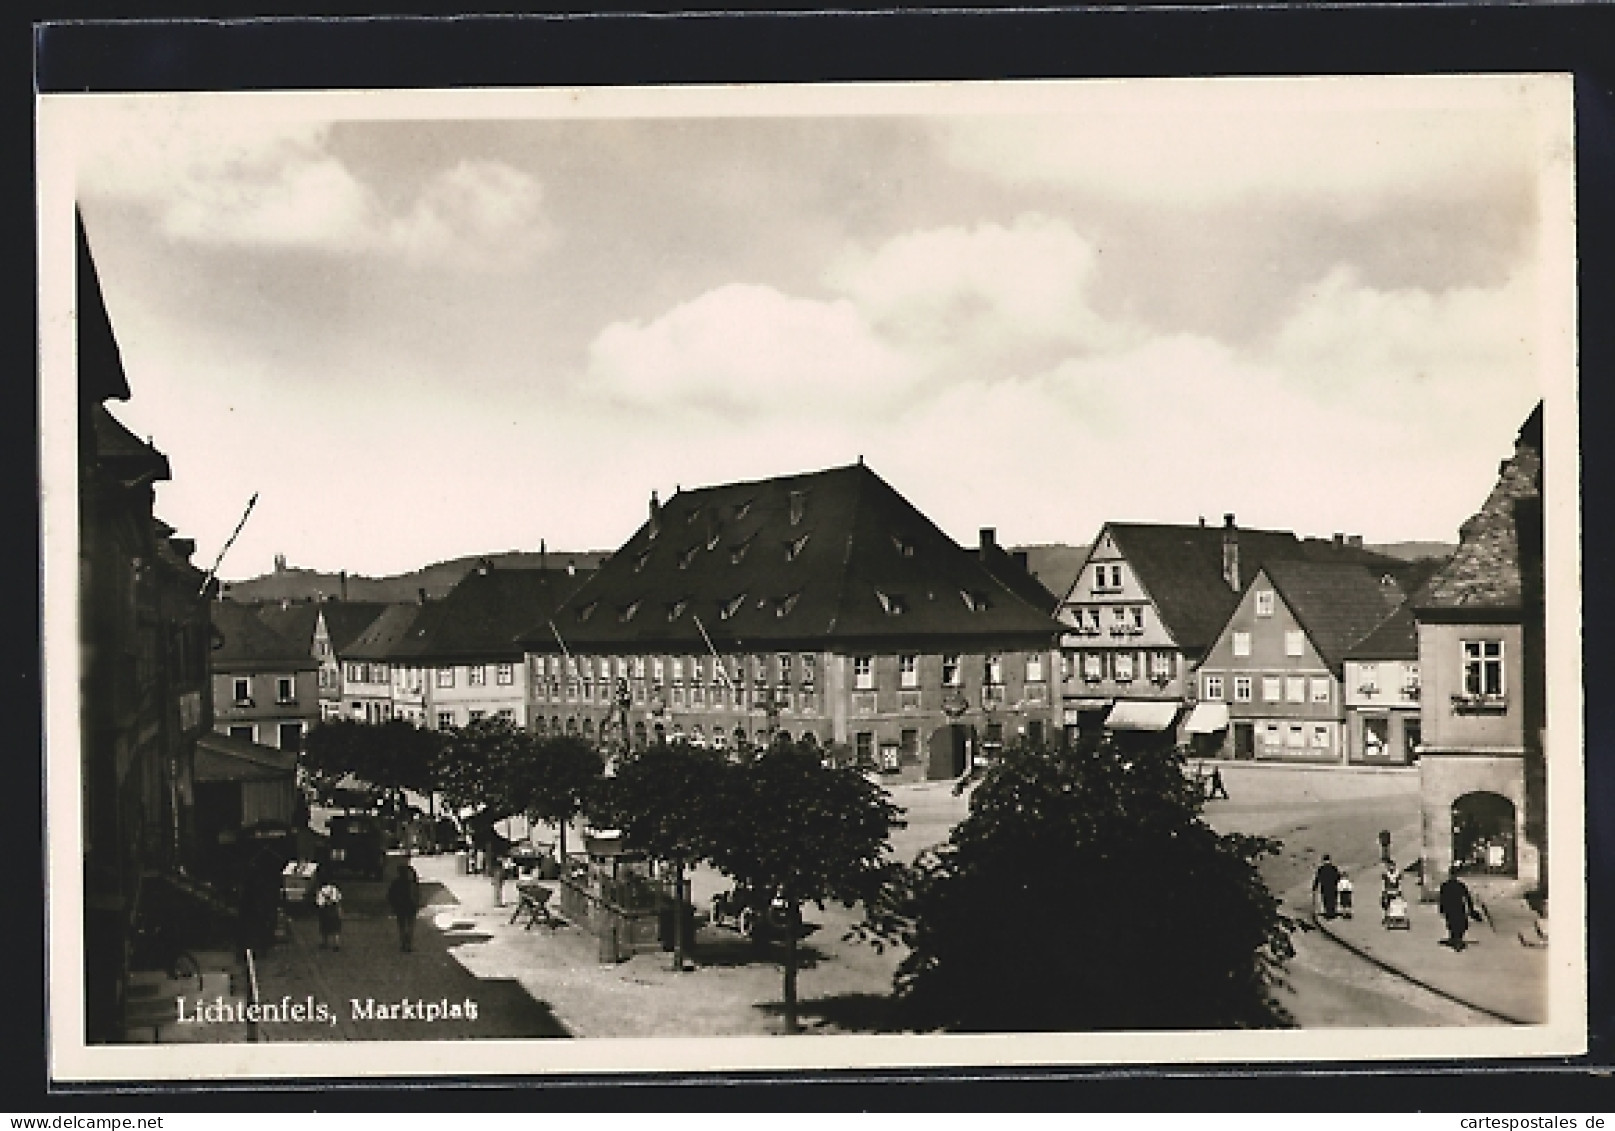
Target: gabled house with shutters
(1148, 603)
(823, 605)
(1275, 672)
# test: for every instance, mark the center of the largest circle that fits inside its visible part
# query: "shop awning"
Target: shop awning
(1207, 718)
(1135, 714)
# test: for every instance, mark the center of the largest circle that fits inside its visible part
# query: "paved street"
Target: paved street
(549, 981)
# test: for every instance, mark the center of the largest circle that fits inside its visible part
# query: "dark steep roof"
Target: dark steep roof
(482, 615)
(1396, 638)
(246, 643)
(122, 454)
(1337, 604)
(293, 621)
(1181, 567)
(346, 620)
(1486, 569)
(381, 639)
(824, 558)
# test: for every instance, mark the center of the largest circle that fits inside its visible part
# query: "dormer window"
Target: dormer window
(783, 607)
(627, 614)
(640, 562)
(793, 550)
(730, 607)
(895, 604)
(715, 538)
(687, 557)
(587, 611)
(738, 553)
(975, 600)
(904, 545)
(695, 513)
(742, 509)
(798, 507)
(676, 609)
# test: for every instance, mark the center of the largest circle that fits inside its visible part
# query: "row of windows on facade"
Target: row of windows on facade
(288, 735)
(242, 690)
(1124, 667)
(1275, 689)
(476, 674)
(1298, 736)
(703, 669)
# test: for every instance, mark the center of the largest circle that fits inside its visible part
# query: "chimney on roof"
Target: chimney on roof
(421, 593)
(1340, 539)
(1355, 541)
(1202, 520)
(989, 537)
(1023, 560)
(1230, 552)
(343, 578)
(543, 555)
(655, 515)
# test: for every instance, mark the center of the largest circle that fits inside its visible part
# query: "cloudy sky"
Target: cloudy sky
(464, 324)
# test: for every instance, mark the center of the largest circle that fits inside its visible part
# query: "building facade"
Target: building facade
(1382, 694)
(1482, 764)
(144, 694)
(1278, 664)
(1150, 601)
(264, 686)
(822, 605)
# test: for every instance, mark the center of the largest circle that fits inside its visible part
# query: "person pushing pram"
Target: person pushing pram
(1393, 904)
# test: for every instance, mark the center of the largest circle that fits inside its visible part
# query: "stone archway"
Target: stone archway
(1483, 834)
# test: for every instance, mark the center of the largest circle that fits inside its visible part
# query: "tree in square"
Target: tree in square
(1083, 891)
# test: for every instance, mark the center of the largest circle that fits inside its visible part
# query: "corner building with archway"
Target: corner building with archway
(1482, 766)
(824, 605)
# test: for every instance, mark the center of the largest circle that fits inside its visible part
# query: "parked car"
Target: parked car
(358, 845)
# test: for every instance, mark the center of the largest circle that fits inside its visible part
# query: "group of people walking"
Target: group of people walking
(1333, 890)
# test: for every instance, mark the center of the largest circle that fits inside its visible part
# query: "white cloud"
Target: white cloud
(751, 349)
(478, 212)
(1466, 356)
(984, 290)
(260, 180)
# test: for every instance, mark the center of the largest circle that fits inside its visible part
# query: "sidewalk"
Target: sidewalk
(372, 990)
(732, 989)
(1496, 973)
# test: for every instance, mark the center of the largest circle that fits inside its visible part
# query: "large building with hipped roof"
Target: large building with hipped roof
(824, 605)
(1482, 658)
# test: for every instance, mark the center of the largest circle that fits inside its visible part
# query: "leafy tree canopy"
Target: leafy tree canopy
(389, 756)
(487, 765)
(666, 800)
(1083, 891)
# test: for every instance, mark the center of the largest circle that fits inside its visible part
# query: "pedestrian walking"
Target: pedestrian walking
(328, 906)
(1218, 789)
(496, 876)
(1326, 885)
(404, 897)
(1457, 907)
(1344, 890)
